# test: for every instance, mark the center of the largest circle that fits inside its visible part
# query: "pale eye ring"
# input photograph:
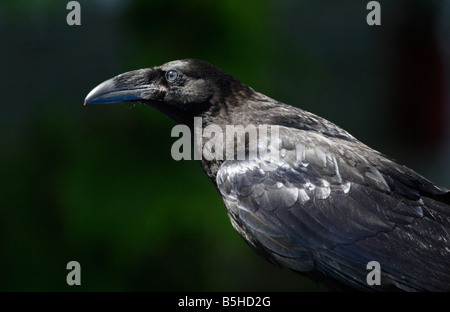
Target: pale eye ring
(172, 76)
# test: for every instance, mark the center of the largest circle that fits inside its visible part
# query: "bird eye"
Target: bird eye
(172, 75)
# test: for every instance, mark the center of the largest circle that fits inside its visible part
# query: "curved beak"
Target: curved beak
(133, 86)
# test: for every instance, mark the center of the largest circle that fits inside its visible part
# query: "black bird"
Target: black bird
(328, 204)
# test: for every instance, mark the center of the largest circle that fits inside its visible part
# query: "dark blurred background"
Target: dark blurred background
(98, 185)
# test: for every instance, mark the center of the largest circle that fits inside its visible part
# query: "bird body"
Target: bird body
(327, 203)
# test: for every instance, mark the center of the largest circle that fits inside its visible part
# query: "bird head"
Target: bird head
(181, 89)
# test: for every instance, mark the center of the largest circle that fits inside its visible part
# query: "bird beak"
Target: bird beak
(133, 86)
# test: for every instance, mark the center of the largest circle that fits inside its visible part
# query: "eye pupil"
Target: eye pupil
(172, 75)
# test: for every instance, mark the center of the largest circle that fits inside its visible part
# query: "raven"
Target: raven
(327, 204)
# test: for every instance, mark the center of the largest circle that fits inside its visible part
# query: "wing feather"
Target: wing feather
(335, 206)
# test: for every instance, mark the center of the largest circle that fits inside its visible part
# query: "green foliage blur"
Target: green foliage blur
(97, 184)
